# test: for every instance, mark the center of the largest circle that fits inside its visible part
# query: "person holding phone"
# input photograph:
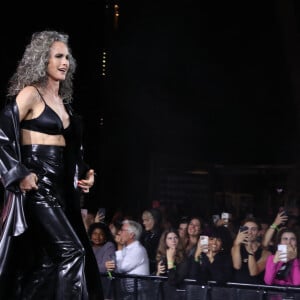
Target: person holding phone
(248, 255)
(283, 267)
(213, 261)
(269, 237)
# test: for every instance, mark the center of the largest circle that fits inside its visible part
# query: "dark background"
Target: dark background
(199, 105)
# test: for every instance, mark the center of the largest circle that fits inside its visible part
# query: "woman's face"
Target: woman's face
(182, 230)
(215, 244)
(172, 240)
(58, 64)
(194, 227)
(148, 221)
(98, 237)
(288, 238)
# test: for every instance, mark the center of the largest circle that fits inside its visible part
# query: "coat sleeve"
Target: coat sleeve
(270, 270)
(11, 168)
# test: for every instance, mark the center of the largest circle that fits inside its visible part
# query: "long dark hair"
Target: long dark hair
(162, 247)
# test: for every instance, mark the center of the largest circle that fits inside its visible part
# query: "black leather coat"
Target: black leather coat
(13, 222)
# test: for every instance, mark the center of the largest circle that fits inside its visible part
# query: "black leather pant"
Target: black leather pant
(61, 256)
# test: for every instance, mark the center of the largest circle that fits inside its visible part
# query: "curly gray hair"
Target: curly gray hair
(32, 68)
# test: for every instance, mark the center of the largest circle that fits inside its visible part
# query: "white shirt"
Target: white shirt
(133, 259)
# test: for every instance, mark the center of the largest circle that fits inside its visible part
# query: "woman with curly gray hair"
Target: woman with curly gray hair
(43, 173)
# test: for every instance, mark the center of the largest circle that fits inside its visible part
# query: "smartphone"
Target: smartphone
(204, 242)
(225, 217)
(215, 218)
(244, 228)
(102, 211)
(283, 250)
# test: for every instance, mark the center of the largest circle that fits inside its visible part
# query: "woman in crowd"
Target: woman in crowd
(151, 234)
(194, 230)
(102, 243)
(213, 261)
(104, 249)
(284, 268)
(171, 262)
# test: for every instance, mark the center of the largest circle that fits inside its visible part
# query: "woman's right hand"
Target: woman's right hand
(29, 183)
(161, 268)
(281, 218)
(241, 237)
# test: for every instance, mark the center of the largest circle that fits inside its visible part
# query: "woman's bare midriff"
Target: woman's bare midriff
(29, 137)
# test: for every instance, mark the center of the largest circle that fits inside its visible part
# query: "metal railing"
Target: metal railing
(134, 287)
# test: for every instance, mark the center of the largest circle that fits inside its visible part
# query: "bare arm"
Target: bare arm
(256, 267)
(280, 218)
(236, 249)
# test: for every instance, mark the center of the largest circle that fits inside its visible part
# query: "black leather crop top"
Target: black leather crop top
(47, 122)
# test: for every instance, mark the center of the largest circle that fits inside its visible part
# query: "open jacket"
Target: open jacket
(13, 219)
(13, 222)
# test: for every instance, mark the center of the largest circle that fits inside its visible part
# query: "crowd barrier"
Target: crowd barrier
(132, 287)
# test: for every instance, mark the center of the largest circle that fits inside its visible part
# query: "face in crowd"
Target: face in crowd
(289, 238)
(172, 240)
(98, 237)
(215, 244)
(194, 227)
(148, 221)
(252, 231)
(182, 230)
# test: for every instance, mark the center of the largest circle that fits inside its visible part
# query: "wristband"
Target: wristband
(250, 254)
(274, 226)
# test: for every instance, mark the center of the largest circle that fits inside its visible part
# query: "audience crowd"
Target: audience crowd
(250, 250)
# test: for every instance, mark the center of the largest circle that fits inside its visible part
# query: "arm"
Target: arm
(270, 270)
(295, 272)
(88, 182)
(256, 267)
(280, 218)
(11, 168)
(107, 255)
(236, 249)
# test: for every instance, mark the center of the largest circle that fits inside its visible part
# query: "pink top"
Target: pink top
(271, 269)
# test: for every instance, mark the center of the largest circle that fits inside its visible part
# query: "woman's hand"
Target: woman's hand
(281, 218)
(161, 268)
(29, 183)
(88, 182)
(171, 252)
(241, 238)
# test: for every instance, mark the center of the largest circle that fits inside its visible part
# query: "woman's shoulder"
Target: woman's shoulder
(28, 94)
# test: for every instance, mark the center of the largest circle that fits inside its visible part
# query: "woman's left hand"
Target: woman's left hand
(88, 182)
